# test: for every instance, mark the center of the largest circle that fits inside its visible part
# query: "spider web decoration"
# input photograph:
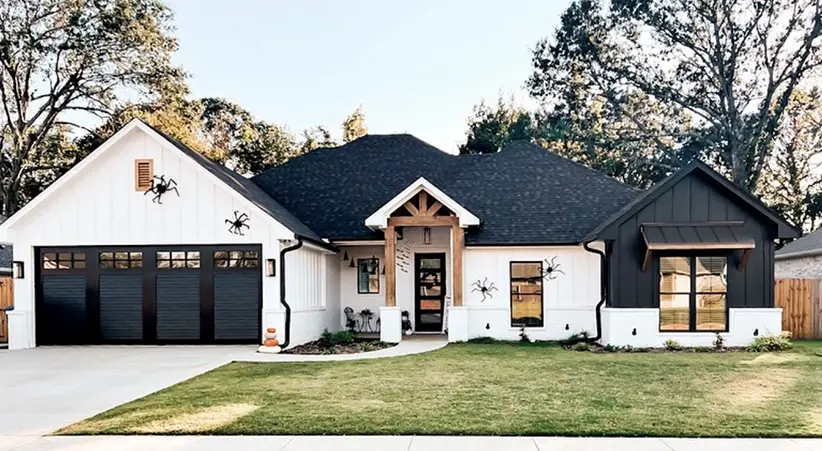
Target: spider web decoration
(160, 186)
(237, 224)
(551, 269)
(483, 287)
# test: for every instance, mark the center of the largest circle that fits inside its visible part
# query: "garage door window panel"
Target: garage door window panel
(236, 259)
(64, 260)
(121, 260)
(178, 259)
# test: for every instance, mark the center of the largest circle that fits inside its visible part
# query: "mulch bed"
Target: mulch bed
(356, 347)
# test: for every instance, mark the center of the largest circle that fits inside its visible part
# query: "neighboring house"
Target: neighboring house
(482, 245)
(801, 259)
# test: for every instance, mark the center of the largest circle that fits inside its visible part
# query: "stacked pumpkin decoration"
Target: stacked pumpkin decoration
(271, 344)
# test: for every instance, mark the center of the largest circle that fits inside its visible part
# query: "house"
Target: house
(146, 241)
(801, 259)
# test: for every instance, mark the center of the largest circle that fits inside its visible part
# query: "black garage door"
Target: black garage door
(149, 294)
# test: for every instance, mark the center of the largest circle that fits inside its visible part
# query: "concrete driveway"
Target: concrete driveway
(44, 389)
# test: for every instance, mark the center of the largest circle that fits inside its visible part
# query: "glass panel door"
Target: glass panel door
(429, 272)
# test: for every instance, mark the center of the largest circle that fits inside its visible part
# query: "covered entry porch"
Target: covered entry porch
(413, 280)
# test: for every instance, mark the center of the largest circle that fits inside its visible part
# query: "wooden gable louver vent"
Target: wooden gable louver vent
(143, 173)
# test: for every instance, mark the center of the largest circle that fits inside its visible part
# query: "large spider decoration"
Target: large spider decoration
(238, 223)
(551, 269)
(484, 288)
(161, 187)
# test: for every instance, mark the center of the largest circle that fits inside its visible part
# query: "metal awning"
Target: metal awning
(695, 236)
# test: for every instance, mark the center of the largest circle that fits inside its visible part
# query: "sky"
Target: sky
(416, 67)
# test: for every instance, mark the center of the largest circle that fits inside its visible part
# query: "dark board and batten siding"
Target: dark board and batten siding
(692, 199)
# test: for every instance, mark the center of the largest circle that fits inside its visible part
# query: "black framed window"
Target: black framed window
(368, 276)
(121, 260)
(178, 259)
(64, 260)
(236, 259)
(526, 294)
(693, 294)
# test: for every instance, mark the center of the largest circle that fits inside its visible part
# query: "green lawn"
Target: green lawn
(501, 389)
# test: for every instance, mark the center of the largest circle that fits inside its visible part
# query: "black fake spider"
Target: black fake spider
(238, 223)
(484, 288)
(551, 269)
(161, 187)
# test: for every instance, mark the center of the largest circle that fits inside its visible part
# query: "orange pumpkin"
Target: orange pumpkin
(271, 342)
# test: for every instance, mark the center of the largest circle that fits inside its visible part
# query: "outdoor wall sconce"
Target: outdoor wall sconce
(426, 235)
(352, 265)
(487, 326)
(270, 267)
(633, 332)
(756, 332)
(345, 256)
(17, 270)
(567, 327)
(383, 270)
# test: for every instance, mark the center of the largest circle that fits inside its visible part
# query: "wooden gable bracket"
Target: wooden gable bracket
(743, 262)
(412, 209)
(647, 260)
(423, 210)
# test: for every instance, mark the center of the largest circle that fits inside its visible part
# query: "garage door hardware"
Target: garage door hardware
(161, 187)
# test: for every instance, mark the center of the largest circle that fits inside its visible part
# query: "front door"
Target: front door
(429, 281)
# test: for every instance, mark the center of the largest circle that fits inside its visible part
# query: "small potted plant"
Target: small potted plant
(406, 322)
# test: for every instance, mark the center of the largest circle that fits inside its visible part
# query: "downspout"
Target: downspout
(603, 288)
(299, 244)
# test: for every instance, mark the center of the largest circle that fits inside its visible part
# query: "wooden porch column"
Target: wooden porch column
(390, 267)
(457, 241)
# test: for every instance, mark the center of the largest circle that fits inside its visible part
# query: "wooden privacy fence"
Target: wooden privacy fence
(801, 303)
(6, 300)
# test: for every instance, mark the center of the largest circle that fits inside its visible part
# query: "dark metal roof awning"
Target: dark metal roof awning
(693, 236)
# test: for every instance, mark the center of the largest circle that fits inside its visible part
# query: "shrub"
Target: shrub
(703, 349)
(672, 345)
(582, 335)
(610, 348)
(628, 348)
(331, 339)
(580, 347)
(719, 342)
(771, 343)
(642, 349)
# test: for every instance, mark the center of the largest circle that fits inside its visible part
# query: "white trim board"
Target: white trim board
(379, 219)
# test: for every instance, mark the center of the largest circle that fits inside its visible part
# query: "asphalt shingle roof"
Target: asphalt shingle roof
(522, 195)
(808, 244)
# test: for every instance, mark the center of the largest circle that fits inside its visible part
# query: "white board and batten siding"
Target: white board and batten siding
(569, 300)
(100, 206)
(313, 293)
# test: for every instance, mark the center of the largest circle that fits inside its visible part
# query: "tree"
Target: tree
(731, 66)
(490, 129)
(62, 60)
(316, 137)
(354, 125)
(236, 139)
(792, 183)
(584, 129)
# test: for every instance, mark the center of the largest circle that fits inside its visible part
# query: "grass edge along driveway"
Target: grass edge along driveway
(494, 389)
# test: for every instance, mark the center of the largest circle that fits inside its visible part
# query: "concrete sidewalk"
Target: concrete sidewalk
(398, 443)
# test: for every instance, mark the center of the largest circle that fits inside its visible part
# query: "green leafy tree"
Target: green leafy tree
(731, 66)
(492, 128)
(792, 182)
(354, 126)
(236, 139)
(61, 60)
(316, 137)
